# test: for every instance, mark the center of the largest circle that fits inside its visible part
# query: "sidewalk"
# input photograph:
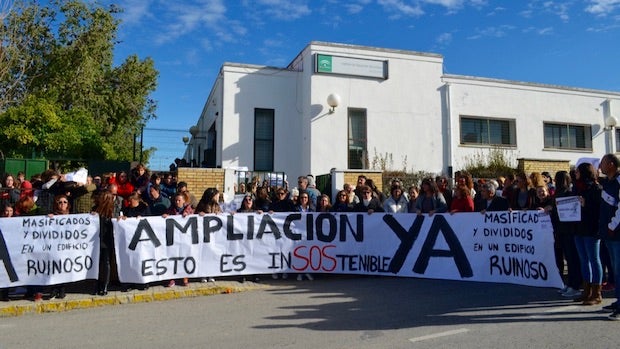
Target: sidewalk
(79, 297)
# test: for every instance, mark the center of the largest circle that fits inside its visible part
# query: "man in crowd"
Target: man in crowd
(609, 221)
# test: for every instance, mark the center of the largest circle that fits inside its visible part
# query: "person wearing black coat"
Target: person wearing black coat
(368, 203)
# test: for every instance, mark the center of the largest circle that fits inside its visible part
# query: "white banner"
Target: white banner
(511, 247)
(48, 250)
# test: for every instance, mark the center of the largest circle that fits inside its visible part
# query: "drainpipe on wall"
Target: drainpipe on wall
(448, 134)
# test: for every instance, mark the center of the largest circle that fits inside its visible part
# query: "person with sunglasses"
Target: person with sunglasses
(247, 204)
(341, 203)
(61, 207)
(281, 202)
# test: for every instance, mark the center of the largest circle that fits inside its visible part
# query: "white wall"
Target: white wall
(530, 106)
(246, 88)
(403, 112)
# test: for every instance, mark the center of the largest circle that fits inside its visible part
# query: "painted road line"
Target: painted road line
(438, 335)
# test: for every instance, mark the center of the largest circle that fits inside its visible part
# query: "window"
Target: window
(617, 134)
(263, 139)
(488, 131)
(566, 136)
(357, 139)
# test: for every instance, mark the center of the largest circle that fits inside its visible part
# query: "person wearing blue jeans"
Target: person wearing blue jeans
(609, 222)
(591, 268)
(587, 241)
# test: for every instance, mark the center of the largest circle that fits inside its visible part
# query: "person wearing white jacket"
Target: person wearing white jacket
(397, 202)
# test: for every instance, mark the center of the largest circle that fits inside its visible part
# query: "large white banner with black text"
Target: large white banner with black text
(511, 247)
(48, 250)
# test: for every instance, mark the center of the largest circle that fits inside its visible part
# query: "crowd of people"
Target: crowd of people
(588, 250)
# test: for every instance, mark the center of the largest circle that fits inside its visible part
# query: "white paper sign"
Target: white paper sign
(78, 176)
(569, 208)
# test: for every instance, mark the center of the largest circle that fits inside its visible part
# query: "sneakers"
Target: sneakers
(185, 281)
(171, 283)
(563, 289)
(58, 293)
(611, 307)
(571, 292)
(615, 316)
(204, 280)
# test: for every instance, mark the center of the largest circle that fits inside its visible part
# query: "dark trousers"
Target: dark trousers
(574, 277)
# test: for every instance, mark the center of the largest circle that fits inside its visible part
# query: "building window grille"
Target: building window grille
(263, 139)
(568, 136)
(487, 131)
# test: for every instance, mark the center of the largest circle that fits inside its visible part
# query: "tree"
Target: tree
(58, 76)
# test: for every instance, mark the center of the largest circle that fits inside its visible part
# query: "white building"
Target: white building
(391, 103)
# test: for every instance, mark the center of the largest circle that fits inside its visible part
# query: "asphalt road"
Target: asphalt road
(331, 312)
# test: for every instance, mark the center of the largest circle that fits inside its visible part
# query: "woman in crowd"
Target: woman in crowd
(430, 199)
(524, 195)
(464, 178)
(543, 201)
(462, 200)
(304, 203)
(140, 178)
(136, 207)
(341, 204)
(124, 188)
(262, 201)
(323, 204)
(396, 203)
(376, 193)
(281, 202)
(105, 207)
(247, 204)
(209, 202)
(61, 207)
(564, 233)
(414, 192)
(9, 193)
(587, 240)
(367, 203)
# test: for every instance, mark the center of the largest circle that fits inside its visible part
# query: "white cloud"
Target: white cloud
(494, 32)
(135, 11)
(285, 9)
(560, 9)
(444, 39)
(354, 8)
(602, 7)
(398, 8)
(185, 18)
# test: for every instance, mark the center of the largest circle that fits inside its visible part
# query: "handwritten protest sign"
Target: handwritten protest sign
(42, 250)
(569, 208)
(512, 247)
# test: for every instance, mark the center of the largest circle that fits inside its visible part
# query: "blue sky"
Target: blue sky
(569, 43)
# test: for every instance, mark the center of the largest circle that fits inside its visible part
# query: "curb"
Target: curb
(83, 301)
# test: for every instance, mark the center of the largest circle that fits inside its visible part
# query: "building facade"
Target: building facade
(390, 105)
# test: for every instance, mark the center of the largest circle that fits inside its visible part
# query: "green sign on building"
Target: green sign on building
(324, 63)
